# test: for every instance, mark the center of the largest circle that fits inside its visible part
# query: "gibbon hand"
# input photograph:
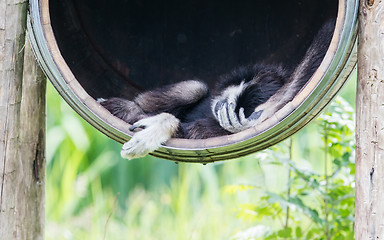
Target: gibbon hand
(230, 121)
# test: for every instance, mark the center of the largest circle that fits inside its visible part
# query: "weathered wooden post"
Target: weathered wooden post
(22, 129)
(370, 123)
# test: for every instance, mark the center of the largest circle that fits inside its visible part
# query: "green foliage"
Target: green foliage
(314, 204)
(299, 189)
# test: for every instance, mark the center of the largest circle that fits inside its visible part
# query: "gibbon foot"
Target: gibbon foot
(156, 130)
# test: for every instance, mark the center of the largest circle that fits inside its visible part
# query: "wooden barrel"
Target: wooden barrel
(94, 48)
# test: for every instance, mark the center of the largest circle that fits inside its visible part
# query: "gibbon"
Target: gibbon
(241, 99)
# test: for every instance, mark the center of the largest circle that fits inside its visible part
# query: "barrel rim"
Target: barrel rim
(337, 64)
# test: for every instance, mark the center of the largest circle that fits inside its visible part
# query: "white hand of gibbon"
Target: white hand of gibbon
(230, 121)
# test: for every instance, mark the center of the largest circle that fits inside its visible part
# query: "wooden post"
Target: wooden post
(369, 223)
(22, 129)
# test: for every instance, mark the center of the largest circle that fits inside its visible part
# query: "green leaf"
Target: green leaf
(285, 233)
(298, 232)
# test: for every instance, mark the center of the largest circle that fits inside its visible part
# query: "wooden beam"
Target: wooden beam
(369, 222)
(22, 129)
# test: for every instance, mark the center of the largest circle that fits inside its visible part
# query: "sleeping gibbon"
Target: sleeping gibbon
(241, 99)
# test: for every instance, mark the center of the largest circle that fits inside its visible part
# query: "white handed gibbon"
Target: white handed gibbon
(241, 99)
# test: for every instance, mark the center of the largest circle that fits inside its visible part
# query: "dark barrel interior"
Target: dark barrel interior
(122, 47)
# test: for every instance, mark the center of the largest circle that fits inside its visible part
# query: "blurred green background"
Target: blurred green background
(302, 188)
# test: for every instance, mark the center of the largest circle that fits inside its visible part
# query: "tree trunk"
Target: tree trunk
(370, 123)
(22, 129)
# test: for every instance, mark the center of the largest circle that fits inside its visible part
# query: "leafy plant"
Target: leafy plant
(314, 204)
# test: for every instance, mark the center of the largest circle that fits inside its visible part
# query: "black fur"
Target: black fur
(269, 78)
(191, 102)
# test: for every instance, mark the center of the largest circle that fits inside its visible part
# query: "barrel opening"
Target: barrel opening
(120, 48)
(94, 48)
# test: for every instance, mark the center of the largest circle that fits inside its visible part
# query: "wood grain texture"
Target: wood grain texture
(22, 129)
(370, 123)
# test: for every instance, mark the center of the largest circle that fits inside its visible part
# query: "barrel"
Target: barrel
(93, 49)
